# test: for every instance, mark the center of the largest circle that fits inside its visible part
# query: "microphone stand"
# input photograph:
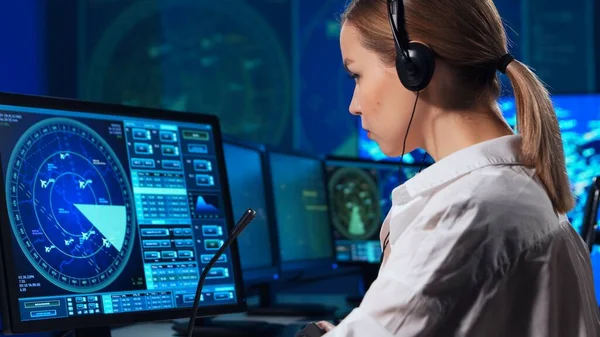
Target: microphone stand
(237, 230)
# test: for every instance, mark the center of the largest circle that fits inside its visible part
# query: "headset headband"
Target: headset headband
(398, 24)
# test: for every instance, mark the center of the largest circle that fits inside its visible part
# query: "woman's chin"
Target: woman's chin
(392, 151)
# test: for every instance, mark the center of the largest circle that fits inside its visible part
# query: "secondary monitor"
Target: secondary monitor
(302, 216)
(111, 213)
(245, 172)
(359, 194)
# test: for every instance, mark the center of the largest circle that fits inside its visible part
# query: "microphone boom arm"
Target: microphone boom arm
(237, 230)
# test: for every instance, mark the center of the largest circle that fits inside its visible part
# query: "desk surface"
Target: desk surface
(164, 328)
(161, 329)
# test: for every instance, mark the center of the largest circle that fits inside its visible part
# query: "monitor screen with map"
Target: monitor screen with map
(359, 194)
(111, 213)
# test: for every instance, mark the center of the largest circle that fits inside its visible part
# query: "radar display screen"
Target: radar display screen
(111, 214)
(58, 199)
(360, 197)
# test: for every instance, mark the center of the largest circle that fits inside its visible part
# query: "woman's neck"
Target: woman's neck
(448, 132)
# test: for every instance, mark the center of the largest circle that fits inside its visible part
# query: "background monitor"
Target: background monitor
(110, 214)
(245, 172)
(300, 201)
(359, 194)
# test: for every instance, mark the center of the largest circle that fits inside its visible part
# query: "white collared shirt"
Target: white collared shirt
(476, 249)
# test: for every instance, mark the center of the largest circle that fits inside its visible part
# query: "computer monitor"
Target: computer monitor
(111, 213)
(301, 211)
(359, 194)
(245, 172)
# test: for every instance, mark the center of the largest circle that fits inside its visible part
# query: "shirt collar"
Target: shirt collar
(499, 151)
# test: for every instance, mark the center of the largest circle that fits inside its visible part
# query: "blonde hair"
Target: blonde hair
(470, 38)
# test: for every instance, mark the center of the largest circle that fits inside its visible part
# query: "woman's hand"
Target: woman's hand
(325, 325)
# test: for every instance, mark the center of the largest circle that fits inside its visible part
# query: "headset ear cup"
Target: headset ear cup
(416, 77)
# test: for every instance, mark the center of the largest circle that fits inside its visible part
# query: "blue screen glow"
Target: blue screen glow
(300, 207)
(111, 214)
(247, 189)
(368, 149)
(579, 121)
(360, 197)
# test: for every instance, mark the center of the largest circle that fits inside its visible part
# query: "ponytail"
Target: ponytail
(542, 146)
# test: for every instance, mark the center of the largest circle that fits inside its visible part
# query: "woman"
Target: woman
(477, 244)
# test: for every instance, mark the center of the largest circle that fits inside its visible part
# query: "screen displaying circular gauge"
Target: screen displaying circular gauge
(70, 205)
(360, 197)
(218, 57)
(355, 207)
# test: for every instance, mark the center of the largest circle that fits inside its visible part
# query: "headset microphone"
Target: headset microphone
(237, 230)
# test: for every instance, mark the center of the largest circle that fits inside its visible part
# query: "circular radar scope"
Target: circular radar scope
(355, 203)
(218, 57)
(70, 205)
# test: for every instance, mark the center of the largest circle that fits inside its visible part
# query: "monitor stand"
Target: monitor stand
(268, 306)
(92, 332)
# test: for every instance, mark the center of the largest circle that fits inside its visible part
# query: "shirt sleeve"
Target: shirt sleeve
(430, 265)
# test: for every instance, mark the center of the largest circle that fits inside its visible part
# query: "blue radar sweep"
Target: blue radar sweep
(70, 205)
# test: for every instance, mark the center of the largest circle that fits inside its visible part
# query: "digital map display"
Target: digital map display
(111, 214)
(59, 200)
(360, 197)
(231, 58)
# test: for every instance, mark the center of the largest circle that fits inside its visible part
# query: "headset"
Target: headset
(415, 61)
(415, 64)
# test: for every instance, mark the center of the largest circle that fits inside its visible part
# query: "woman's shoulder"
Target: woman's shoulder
(489, 214)
(498, 186)
(507, 198)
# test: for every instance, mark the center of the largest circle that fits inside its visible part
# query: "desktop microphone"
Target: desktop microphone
(237, 230)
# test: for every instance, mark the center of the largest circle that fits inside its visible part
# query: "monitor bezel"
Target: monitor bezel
(288, 267)
(8, 276)
(261, 274)
(375, 163)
